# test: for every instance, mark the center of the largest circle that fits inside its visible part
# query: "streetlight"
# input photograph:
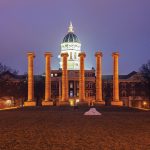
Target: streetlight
(144, 103)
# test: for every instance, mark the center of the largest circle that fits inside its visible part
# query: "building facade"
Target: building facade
(131, 89)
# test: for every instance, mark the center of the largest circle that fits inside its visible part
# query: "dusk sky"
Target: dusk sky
(107, 25)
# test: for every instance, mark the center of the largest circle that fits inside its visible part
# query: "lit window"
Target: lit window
(55, 74)
(71, 85)
(71, 93)
(51, 75)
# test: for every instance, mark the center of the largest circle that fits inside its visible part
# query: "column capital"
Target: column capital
(64, 54)
(31, 54)
(115, 54)
(82, 54)
(98, 54)
(48, 54)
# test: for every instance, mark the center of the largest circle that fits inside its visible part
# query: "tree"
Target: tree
(6, 84)
(145, 72)
(4, 68)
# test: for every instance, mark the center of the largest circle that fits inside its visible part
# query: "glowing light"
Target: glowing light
(70, 29)
(77, 100)
(144, 103)
(8, 102)
(71, 101)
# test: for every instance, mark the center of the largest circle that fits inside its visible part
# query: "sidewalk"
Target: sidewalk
(9, 108)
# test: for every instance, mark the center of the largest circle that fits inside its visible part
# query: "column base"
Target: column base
(29, 103)
(47, 103)
(100, 102)
(117, 103)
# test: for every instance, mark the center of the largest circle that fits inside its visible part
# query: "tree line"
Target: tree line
(16, 86)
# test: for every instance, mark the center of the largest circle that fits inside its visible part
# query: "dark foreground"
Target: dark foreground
(62, 128)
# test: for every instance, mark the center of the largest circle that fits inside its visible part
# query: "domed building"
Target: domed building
(87, 86)
(71, 44)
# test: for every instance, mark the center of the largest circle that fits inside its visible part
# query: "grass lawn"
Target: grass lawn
(63, 128)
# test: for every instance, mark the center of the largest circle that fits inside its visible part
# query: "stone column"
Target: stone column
(30, 101)
(98, 56)
(82, 55)
(64, 77)
(116, 100)
(47, 101)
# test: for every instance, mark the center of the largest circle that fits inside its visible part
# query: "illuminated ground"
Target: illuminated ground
(62, 128)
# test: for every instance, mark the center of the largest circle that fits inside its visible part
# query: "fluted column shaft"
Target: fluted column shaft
(115, 56)
(98, 56)
(82, 55)
(30, 76)
(48, 56)
(64, 77)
